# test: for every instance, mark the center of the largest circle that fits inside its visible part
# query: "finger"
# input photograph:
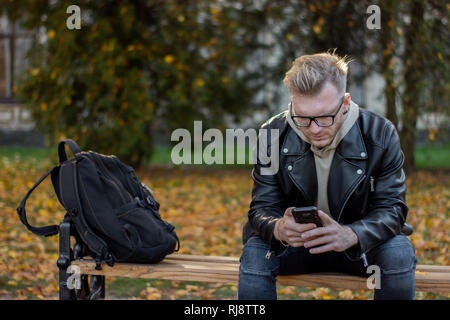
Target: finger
(317, 232)
(296, 244)
(322, 249)
(326, 219)
(288, 212)
(294, 238)
(318, 241)
(301, 227)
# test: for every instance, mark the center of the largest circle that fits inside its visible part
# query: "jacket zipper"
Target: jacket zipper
(363, 254)
(364, 259)
(372, 184)
(348, 197)
(270, 251)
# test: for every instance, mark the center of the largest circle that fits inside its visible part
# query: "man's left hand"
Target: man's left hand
(331, 237)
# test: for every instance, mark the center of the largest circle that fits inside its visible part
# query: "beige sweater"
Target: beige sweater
(324, 156)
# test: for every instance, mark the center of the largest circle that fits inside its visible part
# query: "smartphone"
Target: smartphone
(307, 215)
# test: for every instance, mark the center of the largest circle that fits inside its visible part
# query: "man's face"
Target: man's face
(326, 102)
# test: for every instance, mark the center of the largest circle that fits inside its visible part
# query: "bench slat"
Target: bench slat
(235, 260)
(226, 269)
(169, 271)
(188, 257)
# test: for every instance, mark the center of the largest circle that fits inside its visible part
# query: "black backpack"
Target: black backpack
(114, 214)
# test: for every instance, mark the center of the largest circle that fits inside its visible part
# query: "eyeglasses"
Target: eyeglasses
(321, 121)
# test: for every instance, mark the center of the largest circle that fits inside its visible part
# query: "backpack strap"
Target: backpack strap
(62, 151)
(40, 231)
(71, 200)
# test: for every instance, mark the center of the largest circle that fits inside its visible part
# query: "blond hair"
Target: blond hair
(309, 73)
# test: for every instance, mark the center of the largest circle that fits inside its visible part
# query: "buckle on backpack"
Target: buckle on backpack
(152, 203)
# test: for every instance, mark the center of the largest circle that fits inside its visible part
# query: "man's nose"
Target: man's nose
(314, 128)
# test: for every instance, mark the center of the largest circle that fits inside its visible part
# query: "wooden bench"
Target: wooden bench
(219, 269)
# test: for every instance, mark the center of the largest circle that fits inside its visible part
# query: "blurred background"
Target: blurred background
(136, 70)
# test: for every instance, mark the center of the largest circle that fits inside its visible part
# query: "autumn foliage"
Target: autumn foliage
(208, 207)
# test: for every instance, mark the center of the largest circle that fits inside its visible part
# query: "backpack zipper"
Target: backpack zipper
(93, 158)
(114, 177)
(126, 176)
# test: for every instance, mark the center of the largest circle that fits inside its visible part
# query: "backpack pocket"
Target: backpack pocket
(152, 238)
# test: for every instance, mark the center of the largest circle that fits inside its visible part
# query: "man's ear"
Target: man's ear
(346, 102)
(347, 98)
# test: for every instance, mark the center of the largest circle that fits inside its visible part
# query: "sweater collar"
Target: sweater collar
(349, 121)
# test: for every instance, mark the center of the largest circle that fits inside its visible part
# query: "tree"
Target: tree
(388, 45)
(425, 69)
(134, 65)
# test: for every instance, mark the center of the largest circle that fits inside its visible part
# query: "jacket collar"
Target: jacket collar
(352, 146)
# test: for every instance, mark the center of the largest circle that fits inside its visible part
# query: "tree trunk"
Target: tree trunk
(413, 72)
(388, 20)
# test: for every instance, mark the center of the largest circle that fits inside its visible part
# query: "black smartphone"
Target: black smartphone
(307, 215)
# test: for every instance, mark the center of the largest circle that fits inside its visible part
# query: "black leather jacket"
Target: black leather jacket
(366, 185)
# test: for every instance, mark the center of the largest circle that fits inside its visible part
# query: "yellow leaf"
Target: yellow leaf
(432, 134)
(421, 272)
(317, 28)
(51, 34)
(199, 83)
(180, 293)
(192, 288)
(346, 294)
(169, 59)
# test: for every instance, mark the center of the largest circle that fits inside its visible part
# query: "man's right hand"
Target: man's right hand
(287, 230)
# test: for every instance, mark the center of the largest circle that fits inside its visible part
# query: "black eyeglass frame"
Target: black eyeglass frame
(314, 118)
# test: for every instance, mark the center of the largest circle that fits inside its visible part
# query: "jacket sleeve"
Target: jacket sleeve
(268, 204)
(387, 208)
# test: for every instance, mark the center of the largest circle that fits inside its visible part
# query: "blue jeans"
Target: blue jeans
(395, 258)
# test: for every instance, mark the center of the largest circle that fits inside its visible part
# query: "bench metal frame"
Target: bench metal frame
(91, 287)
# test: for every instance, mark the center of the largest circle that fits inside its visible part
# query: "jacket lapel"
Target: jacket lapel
(300, 165)
(348, 169)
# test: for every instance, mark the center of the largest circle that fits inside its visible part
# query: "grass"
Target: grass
(426, 157)
(26, 153)
(433, 157)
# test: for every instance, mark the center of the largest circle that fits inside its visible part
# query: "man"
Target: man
(348, 163)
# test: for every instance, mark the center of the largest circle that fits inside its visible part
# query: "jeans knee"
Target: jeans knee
(395, 256)
(253, 259)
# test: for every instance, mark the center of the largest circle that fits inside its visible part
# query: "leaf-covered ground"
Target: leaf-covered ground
(208, 208)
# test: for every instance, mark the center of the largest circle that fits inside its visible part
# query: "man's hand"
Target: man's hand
(287, 230)
(331, 237)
